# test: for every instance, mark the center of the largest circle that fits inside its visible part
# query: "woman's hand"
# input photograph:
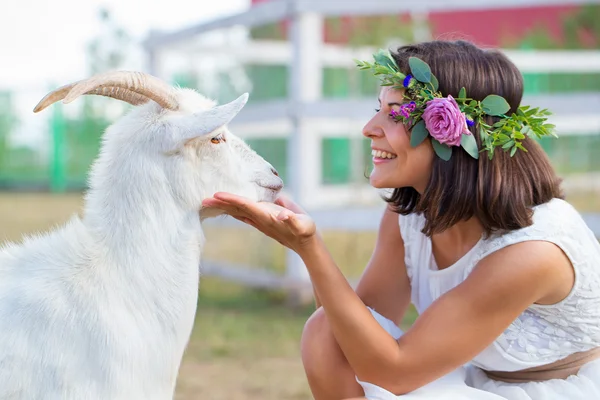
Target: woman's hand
(283, 220)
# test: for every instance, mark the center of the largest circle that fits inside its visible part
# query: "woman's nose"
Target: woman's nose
(372, 129)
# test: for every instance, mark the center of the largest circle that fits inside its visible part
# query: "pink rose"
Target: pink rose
(444, 120)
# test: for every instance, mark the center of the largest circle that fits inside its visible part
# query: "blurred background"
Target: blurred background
(307, 106)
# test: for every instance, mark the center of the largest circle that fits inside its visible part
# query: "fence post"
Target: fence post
(58, 181)
(303, 148)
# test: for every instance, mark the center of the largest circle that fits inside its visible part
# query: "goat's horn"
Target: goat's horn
(132, 87)
(219, 116)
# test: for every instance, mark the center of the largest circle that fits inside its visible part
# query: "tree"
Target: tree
(8, 121)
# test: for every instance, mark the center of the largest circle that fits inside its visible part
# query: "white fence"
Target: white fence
(305, 117)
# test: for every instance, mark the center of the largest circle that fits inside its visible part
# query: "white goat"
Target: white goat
(103, 307)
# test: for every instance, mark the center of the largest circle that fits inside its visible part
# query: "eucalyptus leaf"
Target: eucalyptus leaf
(494, 105)
(383, 57)
(420, 70)
(469, 143)
(418, 133)
(443, 151)
(434, 83)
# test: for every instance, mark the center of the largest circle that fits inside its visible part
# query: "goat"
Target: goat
(103, 307)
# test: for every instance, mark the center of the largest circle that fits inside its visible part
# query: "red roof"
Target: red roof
(486, 27)
(497, 27)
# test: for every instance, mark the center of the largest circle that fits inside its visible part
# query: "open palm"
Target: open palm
(283, 220)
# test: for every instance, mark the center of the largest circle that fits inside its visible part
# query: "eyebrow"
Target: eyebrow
(391, 104)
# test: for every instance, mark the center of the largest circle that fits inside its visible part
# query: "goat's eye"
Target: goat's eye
(217, 139)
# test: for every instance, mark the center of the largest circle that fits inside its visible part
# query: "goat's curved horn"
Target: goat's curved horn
(132, 87)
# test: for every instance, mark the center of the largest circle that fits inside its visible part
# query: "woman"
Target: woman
(504, 273)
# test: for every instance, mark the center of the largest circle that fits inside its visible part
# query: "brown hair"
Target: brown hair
(499, 192)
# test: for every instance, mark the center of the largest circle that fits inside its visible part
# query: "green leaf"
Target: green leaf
(443, 151)
(420, 70)
(508, 144)
(482, 132)
(513, 151)
(521, 135)
(383, 57)
(469, 143)
(434, 83)
(521, 147)
(463, 93)
(418, 134)
(503, 137)
(494, 105)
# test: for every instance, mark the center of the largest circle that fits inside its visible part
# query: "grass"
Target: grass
(245, 343)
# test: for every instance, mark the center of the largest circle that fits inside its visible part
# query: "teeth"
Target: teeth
(382, 154)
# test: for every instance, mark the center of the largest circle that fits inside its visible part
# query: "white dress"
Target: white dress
(541, 335)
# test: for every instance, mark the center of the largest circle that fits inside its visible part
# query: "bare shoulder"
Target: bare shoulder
(537, 266)
(389, 228)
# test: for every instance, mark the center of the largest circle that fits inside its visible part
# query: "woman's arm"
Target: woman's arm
(454, 329)
(384, 285)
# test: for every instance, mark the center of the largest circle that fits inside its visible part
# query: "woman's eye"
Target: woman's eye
(217, 139)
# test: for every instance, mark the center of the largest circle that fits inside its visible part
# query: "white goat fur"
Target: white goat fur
(103, 307)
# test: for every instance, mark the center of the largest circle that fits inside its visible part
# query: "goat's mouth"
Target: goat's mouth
(274, 187)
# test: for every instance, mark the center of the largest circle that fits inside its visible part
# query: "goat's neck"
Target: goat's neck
(141, 230)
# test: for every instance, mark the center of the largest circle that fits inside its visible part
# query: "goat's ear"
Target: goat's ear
(207, 121)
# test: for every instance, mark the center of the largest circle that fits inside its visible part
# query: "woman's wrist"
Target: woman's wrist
(308, 246)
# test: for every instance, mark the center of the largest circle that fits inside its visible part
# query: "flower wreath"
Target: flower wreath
(447, 119)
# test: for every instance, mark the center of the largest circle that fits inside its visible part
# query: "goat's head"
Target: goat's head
(180, 137)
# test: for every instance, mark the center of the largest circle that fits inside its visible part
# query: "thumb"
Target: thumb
(299, 224)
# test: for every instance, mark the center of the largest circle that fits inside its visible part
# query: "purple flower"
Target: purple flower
(444, 121)
(470, 122)
(407, 80)
(407, 108)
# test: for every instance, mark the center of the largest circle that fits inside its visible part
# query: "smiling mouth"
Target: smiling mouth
(383, 154)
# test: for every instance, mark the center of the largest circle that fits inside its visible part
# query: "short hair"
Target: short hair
(499, 192)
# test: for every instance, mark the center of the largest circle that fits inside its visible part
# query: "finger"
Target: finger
(212, 202)
(231, 198)
(299, 225)
(286, 202)
(242, 203)
(227, 208)
(246, 221)
(284, 215)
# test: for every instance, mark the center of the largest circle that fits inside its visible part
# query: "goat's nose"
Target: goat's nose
(274, 171)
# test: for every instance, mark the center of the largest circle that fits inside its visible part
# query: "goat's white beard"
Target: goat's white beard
(102, 308)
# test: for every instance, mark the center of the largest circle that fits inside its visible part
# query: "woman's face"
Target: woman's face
(395, 163)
